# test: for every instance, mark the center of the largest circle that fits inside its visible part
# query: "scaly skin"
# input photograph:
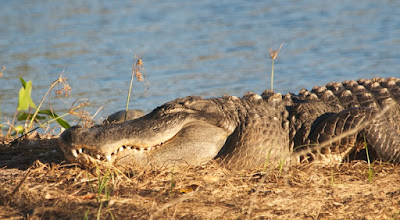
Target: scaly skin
(251, 131)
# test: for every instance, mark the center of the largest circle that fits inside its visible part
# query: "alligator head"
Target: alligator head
(191, 130)
(243, 132)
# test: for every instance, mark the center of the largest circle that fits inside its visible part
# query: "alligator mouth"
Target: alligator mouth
(83, 153)
(112, 156)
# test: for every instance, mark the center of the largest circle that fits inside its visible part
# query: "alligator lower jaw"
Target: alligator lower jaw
(111, 157)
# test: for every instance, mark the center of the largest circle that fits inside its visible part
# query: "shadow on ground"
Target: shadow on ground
(23, 154)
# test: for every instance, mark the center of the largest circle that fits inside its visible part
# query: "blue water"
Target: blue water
(207, 48)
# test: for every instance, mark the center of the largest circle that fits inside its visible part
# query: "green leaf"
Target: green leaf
(22, 81)
(52, 114)
(22, 116)
(28, 89)
(25, 100)
(23, 103)
(19, 129)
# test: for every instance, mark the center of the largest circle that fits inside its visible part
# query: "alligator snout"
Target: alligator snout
(65, 143)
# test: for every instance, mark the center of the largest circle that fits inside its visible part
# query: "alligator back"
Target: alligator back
(366, 108)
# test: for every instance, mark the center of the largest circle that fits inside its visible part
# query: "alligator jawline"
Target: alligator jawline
(77, 152)
(111, 157)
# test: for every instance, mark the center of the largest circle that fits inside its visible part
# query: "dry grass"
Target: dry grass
(2, 71)
(273, 54)
(36, 184)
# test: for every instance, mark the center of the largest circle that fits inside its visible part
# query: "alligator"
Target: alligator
(324, 125)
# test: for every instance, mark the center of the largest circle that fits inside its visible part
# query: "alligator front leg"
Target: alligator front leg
(256, 144)
(340, 134)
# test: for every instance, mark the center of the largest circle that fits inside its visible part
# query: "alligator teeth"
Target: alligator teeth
(141, 150)
(74, 152)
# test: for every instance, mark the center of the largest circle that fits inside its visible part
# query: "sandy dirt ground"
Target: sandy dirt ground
(36, 183)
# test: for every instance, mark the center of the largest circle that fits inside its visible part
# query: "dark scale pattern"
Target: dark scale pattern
(350, 106)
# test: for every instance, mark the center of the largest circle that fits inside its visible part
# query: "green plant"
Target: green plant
(103, 191)
(25, 103)
(281, 164)
(267, 161)
(112, 216)
(273, 55)
(103, 185)
(86, 216)
(24, 98)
